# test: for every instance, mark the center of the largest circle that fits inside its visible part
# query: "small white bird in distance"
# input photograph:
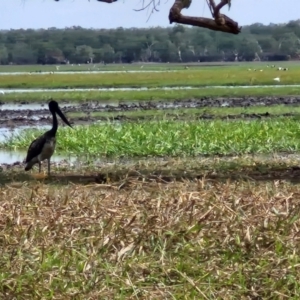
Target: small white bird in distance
(2, 93)
(277, 79)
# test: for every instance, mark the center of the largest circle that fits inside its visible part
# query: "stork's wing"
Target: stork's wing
(35, 148)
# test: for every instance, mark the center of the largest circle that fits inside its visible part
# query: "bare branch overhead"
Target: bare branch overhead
(220, 22)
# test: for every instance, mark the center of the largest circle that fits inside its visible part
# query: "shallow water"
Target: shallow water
(84, 72)
(10, 157)
(31, 106)
(33, 90)
(6, 133)
(9, 91)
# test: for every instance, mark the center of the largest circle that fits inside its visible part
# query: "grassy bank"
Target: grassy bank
(107, 67)
(148, 95)
(90, 67)
(137, 66)
(203, 240)
(230, 76)
(174, 138)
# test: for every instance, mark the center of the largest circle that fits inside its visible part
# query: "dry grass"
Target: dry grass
(181, 240)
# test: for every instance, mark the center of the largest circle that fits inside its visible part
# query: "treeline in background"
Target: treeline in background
(173, 44)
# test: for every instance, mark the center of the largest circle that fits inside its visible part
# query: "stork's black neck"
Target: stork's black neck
(53, 130)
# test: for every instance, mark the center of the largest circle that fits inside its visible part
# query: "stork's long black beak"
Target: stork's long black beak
(62, 116)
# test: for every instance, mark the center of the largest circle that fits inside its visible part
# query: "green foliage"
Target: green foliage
(79, 45)
(173, 138)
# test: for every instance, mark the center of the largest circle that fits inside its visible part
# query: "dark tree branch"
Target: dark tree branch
(107, 1)
(219, 6)
(220, 22)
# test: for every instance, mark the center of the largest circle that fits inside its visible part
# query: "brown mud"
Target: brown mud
(122, 178)
(83, 170)
(21, 116)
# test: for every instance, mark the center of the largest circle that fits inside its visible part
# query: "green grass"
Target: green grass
(89, 67)
(100, 67)
(149, 95)
(174, 138)
(135, 66)
(225, 76)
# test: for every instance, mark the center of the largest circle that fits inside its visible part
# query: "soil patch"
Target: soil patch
(34, 117)
(63, 174)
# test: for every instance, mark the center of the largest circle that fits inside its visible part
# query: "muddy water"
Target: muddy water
(31, 106)
(9, 91)
(17, 158)
(18, 115)
(8, 157)
(11, 157)
(7, 133)
(85, 72)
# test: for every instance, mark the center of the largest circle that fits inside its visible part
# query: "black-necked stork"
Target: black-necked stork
(43, 147)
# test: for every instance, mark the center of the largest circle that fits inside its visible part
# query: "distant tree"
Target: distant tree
(21, 53)
(171, 44)
(249, 49)
(3, 54)
(106, 54)
(203, 42)
(168, 52)
(267, 43)
(289, 43)
(84, 53)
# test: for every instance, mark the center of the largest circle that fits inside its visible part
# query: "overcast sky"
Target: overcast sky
(92, 14)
